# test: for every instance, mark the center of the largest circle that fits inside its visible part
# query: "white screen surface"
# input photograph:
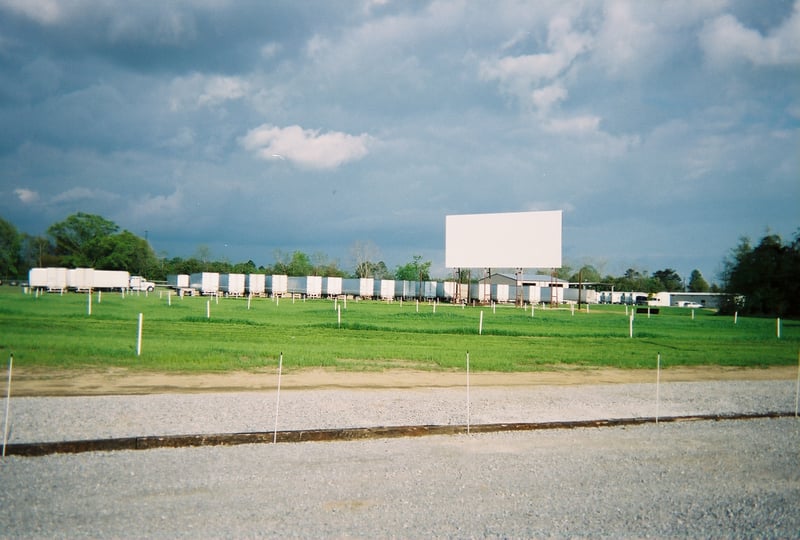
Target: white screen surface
(507, 240)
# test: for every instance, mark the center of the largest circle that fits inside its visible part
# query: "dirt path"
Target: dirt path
(117, 381)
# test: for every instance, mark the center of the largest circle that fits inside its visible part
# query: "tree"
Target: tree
(587, 273)
(10, 243)
(697, 283)
(36, 251)
(78, 238)
(364, 254)
(668, 279)
(125, 251)
(300, 265)
(416, 270)
(765, 277)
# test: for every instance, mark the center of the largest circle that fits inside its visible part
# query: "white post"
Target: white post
(417, 306)
(8, 403)
(169, 298)
(89, 303)
(99, 296)
(572, 309)
(139, 337)
(532, 310)
(630, 326)
(249, 299)
(797, 387)
(208, 309)
(277, 400)
(587, 308)
(648, 311)
(345, 302)
(468, 417)
(480, 324)
(339, 316)
(335, 304)
(692, 314)
(778, 327)
(735, 316)
(434, 307)
(658, 384)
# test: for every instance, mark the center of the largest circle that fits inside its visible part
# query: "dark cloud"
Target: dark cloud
(253, 126)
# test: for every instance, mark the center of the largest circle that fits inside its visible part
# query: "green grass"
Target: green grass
(56, 331)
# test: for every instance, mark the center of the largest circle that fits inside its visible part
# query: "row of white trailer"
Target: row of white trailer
(57, 279)
(213, 283)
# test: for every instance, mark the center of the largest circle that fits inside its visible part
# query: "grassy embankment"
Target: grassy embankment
(56, 331)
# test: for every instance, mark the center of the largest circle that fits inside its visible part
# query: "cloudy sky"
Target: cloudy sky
(665, 131)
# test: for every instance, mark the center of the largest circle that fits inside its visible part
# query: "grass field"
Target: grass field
(57, 331)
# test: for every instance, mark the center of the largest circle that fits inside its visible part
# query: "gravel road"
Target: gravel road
(696, 479)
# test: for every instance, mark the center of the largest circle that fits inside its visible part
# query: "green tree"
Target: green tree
(299, 265)
(765, 276)
(78, 238)
(697, 283)
(10, 244)
(587, 273)
(668, 280)
(125, 251)
(416, 270)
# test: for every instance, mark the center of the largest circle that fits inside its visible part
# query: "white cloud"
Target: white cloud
(305, 146)
(522, 75)
(725, 39)
(27, 196)
(578, 125)
(158, 205)
(545, 98)
(45, 12)
(206, 91)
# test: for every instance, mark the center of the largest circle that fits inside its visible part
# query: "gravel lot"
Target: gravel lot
(697, 479)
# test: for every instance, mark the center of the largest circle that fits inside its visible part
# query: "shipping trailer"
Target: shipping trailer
(332, 286)
(384, 288)
(206, 283)
(277, 284)
(232, 284)
(366, 287)
(256, 284)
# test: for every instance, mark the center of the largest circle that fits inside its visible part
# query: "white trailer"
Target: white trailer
(56, 279)
(232, 284)
(366, 287)
(110, 280)
(256, 284)
(428, 290)
(405, 288)
(446, 290)
(278, 284)
(314, 286)
(80, 279)
(178, 281)
(332, 286)
(37, 278)
(386, 289)
(206, 283)
(500, 293)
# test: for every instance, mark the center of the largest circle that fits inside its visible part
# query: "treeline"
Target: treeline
(91, 241)
(761, 279)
